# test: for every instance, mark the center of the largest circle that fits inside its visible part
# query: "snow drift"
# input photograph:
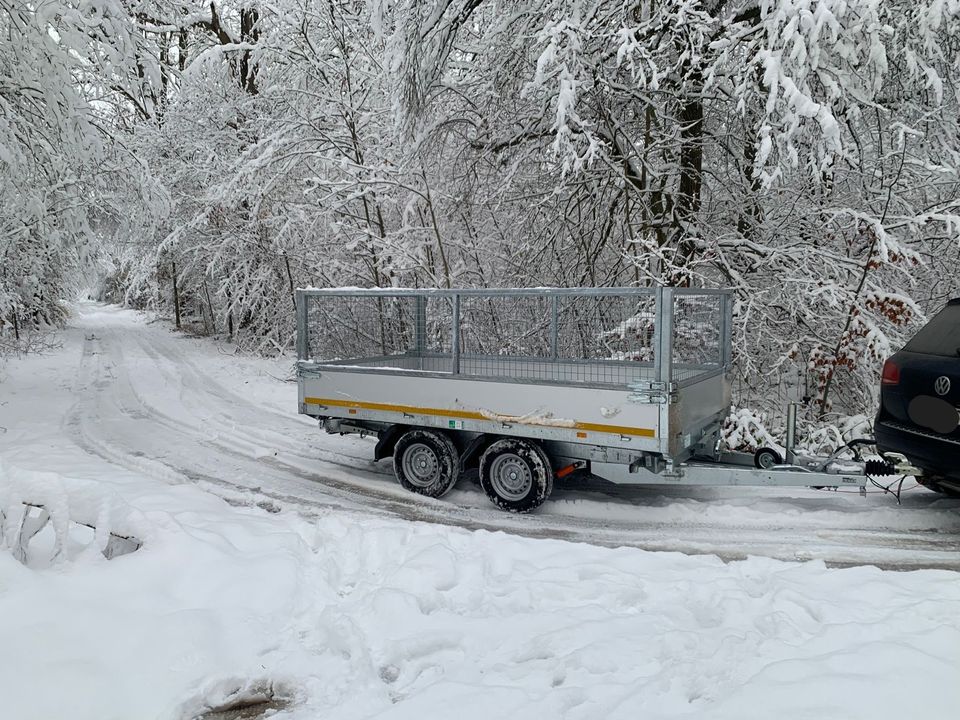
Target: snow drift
(355, 617)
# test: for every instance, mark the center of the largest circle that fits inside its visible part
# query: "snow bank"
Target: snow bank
(358, 617)
(139, 636)
(32, 501)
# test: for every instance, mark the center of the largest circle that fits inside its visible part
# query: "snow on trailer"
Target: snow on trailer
(629, 383)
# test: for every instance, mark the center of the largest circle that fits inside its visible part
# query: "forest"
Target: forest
(204, 159)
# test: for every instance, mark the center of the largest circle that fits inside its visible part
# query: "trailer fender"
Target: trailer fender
(387, 440)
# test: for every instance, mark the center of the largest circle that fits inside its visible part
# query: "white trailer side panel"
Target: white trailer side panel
(698, 406)
(568, 413)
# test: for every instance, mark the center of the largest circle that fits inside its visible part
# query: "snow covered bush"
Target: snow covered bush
(746, 430)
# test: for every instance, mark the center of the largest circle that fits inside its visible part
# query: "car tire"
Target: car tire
(933, 483)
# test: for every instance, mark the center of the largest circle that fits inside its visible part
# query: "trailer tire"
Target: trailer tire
(426, 462)
(516, 475)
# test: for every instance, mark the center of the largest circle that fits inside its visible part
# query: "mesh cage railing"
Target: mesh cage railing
(505, 325)
(603, 339)
(698, 334)
(378, 331)
(583, 336)
(607, 327)
(345, 329)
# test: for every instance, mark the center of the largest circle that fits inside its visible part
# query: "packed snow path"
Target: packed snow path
(183, 410)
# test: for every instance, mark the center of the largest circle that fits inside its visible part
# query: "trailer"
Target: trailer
(527, 385)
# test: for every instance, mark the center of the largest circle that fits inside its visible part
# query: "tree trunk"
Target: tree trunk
(213, 318)
(691, 174)
(249, 33)
(751, 215)
(182, 54)
(293, 291)
(164, 41)
(176, 296)
(229, 315)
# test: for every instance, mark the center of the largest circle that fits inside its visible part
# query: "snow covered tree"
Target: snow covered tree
(804, 153)
(61, 62)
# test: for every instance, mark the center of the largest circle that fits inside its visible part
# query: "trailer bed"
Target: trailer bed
(642, 370)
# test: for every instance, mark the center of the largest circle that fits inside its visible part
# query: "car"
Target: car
(919, 398)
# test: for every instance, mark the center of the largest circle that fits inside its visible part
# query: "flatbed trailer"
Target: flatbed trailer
(630, 384)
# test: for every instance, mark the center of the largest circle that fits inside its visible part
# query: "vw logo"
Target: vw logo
(942, 385)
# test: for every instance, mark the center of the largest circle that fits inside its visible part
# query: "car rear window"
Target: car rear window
(940, 336)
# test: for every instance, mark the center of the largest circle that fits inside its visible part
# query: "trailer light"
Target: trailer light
(891, 373)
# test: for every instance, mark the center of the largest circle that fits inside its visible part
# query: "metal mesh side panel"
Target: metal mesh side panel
(606, 327)
(564, 337)
(348, 329)
(437, 317)
(697, 344)
(381, 331)
(588, 339)
(505, 326)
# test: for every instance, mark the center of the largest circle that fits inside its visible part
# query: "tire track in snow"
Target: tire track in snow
(224, 434)
(86, 424)
(254, 435)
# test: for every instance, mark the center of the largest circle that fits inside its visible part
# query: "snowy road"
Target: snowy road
(180, 410)
(318, 590)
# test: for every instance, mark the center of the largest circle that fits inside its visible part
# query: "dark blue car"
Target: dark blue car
(919, 397)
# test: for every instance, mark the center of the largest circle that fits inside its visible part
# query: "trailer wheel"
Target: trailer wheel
(516, 475)
(766, 458)
(426, 462)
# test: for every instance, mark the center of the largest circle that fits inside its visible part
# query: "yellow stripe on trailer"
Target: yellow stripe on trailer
(469, 415)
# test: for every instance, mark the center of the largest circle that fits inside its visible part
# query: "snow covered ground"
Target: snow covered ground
(277, 560)
(174, 409)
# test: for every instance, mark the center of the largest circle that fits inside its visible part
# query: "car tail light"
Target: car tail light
(891, 373)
